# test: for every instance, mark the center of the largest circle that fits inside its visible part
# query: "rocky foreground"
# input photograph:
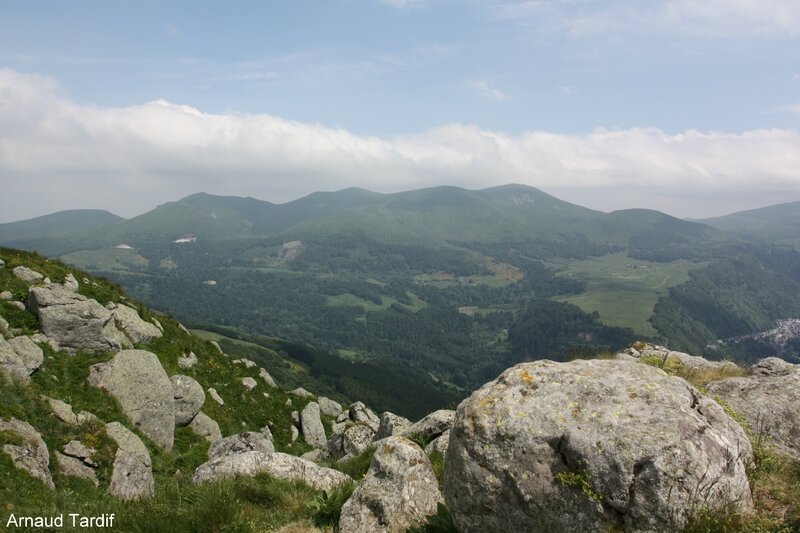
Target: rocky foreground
(588, 445)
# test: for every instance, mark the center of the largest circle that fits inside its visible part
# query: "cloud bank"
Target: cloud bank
(57, 154)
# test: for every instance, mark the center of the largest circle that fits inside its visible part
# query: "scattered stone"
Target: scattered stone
(301, 392)
(70, 283)
(266, 396)
(295, 434)
(329, 407)
(215, 396)
(20, 357)
(399, 491)
(74, 321)
(132, 477)
(4, 330)
(206, 427)
(249, 383)
(215, 344)
(592, 445)
(32, 456)
(295, 418)
(144, 391)
(247, 441)
(769, 400)
(246, 362)
(69, 466)
(84, 417)
(157, 324)
(46, 281)
(189, 398)
(27, 275)
(183, 329)
(288, 403)
(40, 338)
(187, 361)
(263, 374)
(16, 304)
(391, 424)
(63, 411)
(2, 264)
(276, 464)
(314, 455)
(6, 295)
(439, 444)
(136, 329)
(311, 424)
(432, 425)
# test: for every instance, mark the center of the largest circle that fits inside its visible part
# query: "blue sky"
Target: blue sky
(612, 104)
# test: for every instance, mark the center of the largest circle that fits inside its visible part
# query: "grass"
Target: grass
(623, 290)
(699, 377)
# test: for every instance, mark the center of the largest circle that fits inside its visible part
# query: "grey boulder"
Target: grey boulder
(27, 275)
(311, 425)
(206, 427)
(132, 477)
(141, 386)
(432, 425)
(276, 464)
(399, 491)
(189, 398)
(591, 446)
(329, 407)
(391, 424)
(248, 441)
(136, 329)
(31, 455)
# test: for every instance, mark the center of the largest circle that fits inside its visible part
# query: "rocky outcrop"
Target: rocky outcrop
(20, 357)
(206, 427)
(248, 441)
(769, 400)
(361, 413)
(667, 355)
(70, 283)
(276, 464)
(589, 446)
(263, 374)
(74, 321)
(132, 477)
(391, 424)
(136, 329)
(189, 398)
(329, 407)
(311, 425)
(31, 455)
(356, 439)
(136, 379)
(398, 492)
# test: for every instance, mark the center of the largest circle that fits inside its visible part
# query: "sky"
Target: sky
(691, 107)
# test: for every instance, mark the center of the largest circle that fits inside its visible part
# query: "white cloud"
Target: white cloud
(488, 89)
(792, 108)
(57, 154)
(569, 89)
(401, 4)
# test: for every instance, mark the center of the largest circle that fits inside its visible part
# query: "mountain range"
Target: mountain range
(453, 283)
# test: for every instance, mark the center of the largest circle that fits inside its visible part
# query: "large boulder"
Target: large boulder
(311, 426)
(132, 477)
(398, 492)
(356, 439)
(27, 275)
(74, 321)
(592, 446)
(136, 329)
(769, 400)
(276, 464)
(31, 455)
(189, 398)
(329, 407)
(248, 441)
(141, 386)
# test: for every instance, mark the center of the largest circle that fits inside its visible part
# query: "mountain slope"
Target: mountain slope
(60, 223)
(778, 223)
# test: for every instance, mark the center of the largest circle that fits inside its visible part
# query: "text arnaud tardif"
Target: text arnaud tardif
(68, 520)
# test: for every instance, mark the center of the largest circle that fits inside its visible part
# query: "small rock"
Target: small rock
(32, 456)
(249, 383)
(187, 361)
(215, 344)
(295, 434)
(189, 398)
(301, 392)
(27, 275)
(288, 403)
(18, 305)
(206, 427)
(6, 295)
(132, 477)
(215, 396)
(136, 329)
(78, 450)
(329, 407)
(241, 443)
(432, 425)
(63, 411)
(391, 424)
(356, 439)
(313, 430)
(361, 413)
(263, 374)
(69, 466)
(40, 338)
(70, 283)
(439, 444)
